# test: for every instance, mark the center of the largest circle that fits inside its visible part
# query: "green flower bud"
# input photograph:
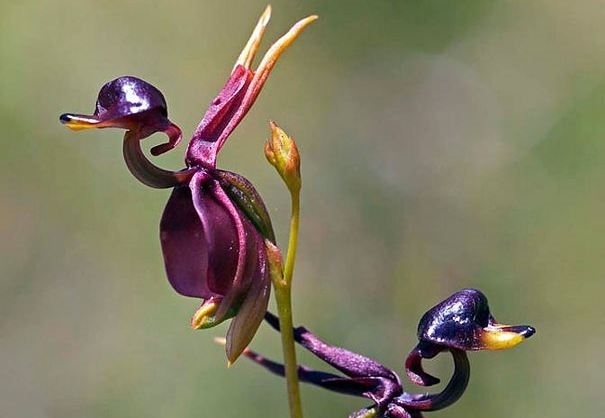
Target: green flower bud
(282, 153)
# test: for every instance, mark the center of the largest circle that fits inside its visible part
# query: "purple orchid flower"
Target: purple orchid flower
(215, 223)
(460, 323)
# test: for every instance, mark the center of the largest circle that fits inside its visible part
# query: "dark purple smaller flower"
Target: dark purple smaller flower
(458, 324)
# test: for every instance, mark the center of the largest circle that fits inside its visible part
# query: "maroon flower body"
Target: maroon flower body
(215, 224)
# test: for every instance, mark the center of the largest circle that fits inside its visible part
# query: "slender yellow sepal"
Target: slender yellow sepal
(278, 48)
(269, 59)
(249, 52)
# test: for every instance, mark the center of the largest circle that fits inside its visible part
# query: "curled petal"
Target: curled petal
(145, 171)
(449, 395)
(413, 364)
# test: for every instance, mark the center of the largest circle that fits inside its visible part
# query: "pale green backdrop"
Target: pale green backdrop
(445, 144)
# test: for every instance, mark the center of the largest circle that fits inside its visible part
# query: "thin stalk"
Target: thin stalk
(293, 237)
(144, 170)
(282, 283)
(284, 312)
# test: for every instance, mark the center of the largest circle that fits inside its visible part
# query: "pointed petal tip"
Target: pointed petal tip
(309, 19)
(527, 331)
(266, 16)
(276, 50)
(249, 52)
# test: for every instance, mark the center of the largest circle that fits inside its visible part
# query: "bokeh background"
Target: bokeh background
(445, 145)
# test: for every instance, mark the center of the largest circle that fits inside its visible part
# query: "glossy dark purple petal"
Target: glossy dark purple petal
(126, 96)
(184, 246)
(463, 321)
(211, 249)
(224, 234)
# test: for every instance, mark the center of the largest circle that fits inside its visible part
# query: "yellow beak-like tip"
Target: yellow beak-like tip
(79, 122)
(502, 337)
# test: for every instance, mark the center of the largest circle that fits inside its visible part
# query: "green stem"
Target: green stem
(284, 311)
(293, 238)
(282, 283)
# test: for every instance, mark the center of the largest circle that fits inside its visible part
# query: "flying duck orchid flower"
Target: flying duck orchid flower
(215, 225)
(460, 323)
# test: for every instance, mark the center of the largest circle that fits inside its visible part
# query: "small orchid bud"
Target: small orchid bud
(282, 153)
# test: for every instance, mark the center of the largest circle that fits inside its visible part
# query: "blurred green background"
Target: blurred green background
(445, 145)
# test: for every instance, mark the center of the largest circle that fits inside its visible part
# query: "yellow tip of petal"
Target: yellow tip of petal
(247, 55)
(204, 315)
(79, 122)
(496, 339)
(278, 48)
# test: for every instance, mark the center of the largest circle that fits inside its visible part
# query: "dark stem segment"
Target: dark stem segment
(361, 386)
(145, 171)
(363, 376)
(372, 380)
(352, 364)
